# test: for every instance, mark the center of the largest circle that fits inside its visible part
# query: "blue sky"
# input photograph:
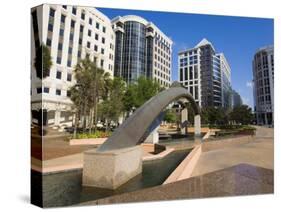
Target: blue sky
(237, 37)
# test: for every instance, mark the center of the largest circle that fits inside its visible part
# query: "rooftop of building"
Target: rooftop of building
(142, 21)
(203, 42)
(265, 48)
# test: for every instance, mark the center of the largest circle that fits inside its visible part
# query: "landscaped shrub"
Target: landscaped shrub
(227, 130)
(97, 134)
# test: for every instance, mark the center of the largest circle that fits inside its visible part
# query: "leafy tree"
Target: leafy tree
(112, 107)
(214, 115)
(43, 61)
(92, 85)
(242, 114)
(170, 116)
(138, 93)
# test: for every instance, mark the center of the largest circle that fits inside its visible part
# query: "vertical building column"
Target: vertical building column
(265, 118)
(153, 137)
(57, 117)
(184, 121)
(197, 125)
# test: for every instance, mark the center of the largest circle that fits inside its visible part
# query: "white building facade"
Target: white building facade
(142, 49)
(70, 33)
(263, 78)
(206, 74)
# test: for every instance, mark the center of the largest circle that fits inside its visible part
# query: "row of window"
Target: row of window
(161, 67)
(60, 45)
(161, 40)
(83, 17)
(191, 52)
(165, 54)
(161, 60)
(96, 36)
(161, 82)
(39, 90)
(162, 75)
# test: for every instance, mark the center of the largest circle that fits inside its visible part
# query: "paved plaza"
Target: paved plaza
(259, 152)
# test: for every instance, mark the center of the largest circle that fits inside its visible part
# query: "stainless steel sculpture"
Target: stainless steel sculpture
(134, 130)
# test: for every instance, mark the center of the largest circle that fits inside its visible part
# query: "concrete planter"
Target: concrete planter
(87, 141)
(111, 169)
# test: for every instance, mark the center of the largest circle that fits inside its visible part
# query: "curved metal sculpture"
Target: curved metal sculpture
(134, 130)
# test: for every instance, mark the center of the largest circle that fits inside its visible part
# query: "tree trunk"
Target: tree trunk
(84, 118)
(76, 123)
(91, 121)
(95, 114)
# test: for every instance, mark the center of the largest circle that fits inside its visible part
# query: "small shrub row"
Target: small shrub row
(97, 134)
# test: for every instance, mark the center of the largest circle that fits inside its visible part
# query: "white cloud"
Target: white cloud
(245, 100)
(249, 84)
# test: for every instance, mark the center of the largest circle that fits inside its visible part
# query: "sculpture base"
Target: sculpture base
(113, 168)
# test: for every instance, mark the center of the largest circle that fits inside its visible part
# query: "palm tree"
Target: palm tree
(92, 85)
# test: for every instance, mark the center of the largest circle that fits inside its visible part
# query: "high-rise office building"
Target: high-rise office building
(141, 50)
(226, 90)
(236, 99)
(70, 33)
(263, 78)
(206, 74)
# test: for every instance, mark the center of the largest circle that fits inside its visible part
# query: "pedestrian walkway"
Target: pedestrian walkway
(260, 153)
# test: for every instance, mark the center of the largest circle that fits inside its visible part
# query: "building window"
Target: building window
(88, 44)
(103, 40)
(69, 50)
(101, 63)
(46, 90)
(63, 18)
(72, 23)
(102, 50)
(39, 90)
(52, 12)
(83, 16)
(81, 28)
(79, 54)
(97, 25)
(103, 29)
(74, 10)
(58, 92)
(69, 63)
(50, 27)
(64, 6)
(111, 46)
(89, 33)
(96, 48)
(71, 36)
(68, 93)
(60, 46)
(69, 77)
(90, 21)
(49, 42)
(58, 60)
(97, 36)
(58, 75)
(61, 32)
(80, 41)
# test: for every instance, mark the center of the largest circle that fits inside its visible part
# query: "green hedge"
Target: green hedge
(97, 134)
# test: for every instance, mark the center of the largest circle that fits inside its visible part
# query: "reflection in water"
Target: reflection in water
(65, 188)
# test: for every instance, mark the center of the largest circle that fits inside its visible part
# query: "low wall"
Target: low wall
(87, 141)
(158, 156)
(153, 148)
(184, 170)
(210, 145)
